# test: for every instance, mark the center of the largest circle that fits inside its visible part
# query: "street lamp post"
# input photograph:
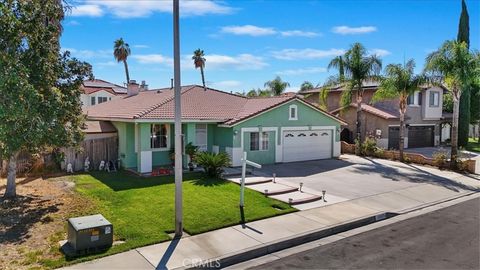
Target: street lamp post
(178, 120)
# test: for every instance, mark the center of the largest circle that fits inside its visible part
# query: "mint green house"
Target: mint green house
(271, 130)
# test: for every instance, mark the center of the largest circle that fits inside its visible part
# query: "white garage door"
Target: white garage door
(302, 145)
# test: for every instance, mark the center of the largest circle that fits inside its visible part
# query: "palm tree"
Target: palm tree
(121, 51)
(306, 85)
(199, 62)
(399, 82)
(456, 67)
(276, 86)
(358, 66)
(339, 64)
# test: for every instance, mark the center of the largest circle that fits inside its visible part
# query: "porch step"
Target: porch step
(281, 191)
(270, 188)
(250, 180)
(297, 197)
(307, 200)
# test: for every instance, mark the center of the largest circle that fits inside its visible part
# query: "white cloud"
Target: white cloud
(301, 71)
(250, 30)
(153, 59)
(106, 64)
(299, 33)
(145, 8)
(73, 23)
(89, 54)
(301, 54)
(379, 52)
(226, 84)
(140, 46)
(347, 30)
(88, 10)
(239, 62)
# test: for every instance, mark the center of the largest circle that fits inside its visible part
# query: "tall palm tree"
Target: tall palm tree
(358, 67)
(399, 82)
(456, 67)
(121, 51)
(276, 86)
(199, 62)
(339, 64)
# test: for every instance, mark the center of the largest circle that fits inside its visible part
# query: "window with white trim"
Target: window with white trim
(434, 99)
(259, 141)
(102, 99)
(292, 112)
(201, 136)
(159, 136)
(92, 101)
(415, 99)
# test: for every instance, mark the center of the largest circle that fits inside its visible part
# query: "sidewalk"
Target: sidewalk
(268, 235)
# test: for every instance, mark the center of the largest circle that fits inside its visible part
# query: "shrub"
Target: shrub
(212, 163)
(440, 159)
(369, 147)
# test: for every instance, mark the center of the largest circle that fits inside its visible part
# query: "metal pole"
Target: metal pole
(242, 184)
(178, 120)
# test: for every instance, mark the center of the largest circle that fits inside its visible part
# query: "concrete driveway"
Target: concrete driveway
(352, 177)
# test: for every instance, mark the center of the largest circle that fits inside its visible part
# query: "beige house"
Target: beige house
(427, 124)
(98, 91)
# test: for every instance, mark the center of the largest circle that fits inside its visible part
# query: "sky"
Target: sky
(247, 43)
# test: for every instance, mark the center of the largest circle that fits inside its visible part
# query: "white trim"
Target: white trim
(335, 145)
(206, 138)
(145, 161)
(290, 112)
(168, 139)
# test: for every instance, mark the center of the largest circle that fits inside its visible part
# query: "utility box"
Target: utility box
(89, 233)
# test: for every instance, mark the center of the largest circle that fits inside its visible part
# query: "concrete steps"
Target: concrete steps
(297, 197)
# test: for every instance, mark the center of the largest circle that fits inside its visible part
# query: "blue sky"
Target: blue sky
(250, 42)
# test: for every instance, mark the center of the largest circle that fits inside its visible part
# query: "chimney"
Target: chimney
(144, 86)
(132, 88)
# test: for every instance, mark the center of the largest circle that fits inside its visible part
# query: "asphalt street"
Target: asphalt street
(445, 239)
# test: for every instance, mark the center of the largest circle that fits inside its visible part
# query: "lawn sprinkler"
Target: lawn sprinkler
(300, 188)
(323, 195)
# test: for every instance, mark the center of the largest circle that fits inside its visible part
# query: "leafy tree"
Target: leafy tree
(276, 86)
(399, 82)
(199, 62)
(306, 85)
(259, 93)
(456, 67)
(358, 67)
(465, 100)
(40, 87)
(448, 102)
(121, 51)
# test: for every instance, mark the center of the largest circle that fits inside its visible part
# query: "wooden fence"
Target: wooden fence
(96, 150)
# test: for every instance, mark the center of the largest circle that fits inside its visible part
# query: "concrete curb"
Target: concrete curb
(267, 248)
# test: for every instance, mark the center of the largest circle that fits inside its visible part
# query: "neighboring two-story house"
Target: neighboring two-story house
(98, 91)
(425, 120)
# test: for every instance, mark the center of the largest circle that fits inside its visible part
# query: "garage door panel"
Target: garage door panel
(307, 145)
(420, 136)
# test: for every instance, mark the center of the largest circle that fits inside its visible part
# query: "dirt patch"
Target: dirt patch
(32, 224)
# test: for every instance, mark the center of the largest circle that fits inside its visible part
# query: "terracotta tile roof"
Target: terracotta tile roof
(197, 104)
(99, 127)
(92, 86)
(380, 112)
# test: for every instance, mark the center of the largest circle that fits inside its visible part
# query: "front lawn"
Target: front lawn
(473, 145)
(142, 209)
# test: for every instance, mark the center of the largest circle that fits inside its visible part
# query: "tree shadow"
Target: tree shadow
(411, 174)
(17, 216)
(209, 182)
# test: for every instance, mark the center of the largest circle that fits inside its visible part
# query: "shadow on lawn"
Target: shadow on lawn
(19, 215)
(124, 181)
(209, 182)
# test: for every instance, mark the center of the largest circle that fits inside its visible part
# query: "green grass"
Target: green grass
(142, 209)
(473, 145)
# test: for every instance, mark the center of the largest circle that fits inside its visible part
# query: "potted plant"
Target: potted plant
(191, 150)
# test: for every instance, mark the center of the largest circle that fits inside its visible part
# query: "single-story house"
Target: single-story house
(271, 130)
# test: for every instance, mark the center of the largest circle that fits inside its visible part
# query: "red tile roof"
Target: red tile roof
(92, 86)
(380, 112)
(92, 127)
(197, 104)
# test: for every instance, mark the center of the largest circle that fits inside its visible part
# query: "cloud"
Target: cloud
(153, 59)
(73, 23)
(301, 54)
(250, 30)
(301, 71)
(227, 84)
(299, 33)
(107, 64)
(140, 46)
(89, 54)
(88, 10)
(347, 30)
(145, 8)
(379, 52)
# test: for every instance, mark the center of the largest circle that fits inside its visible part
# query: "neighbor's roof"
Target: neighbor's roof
(375, 110)
(92, 127)
(92, 86)
(197, 104)
(367, 85)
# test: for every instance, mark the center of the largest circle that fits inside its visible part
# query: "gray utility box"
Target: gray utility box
(89, 233)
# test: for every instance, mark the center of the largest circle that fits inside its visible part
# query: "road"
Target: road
(445, 239)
